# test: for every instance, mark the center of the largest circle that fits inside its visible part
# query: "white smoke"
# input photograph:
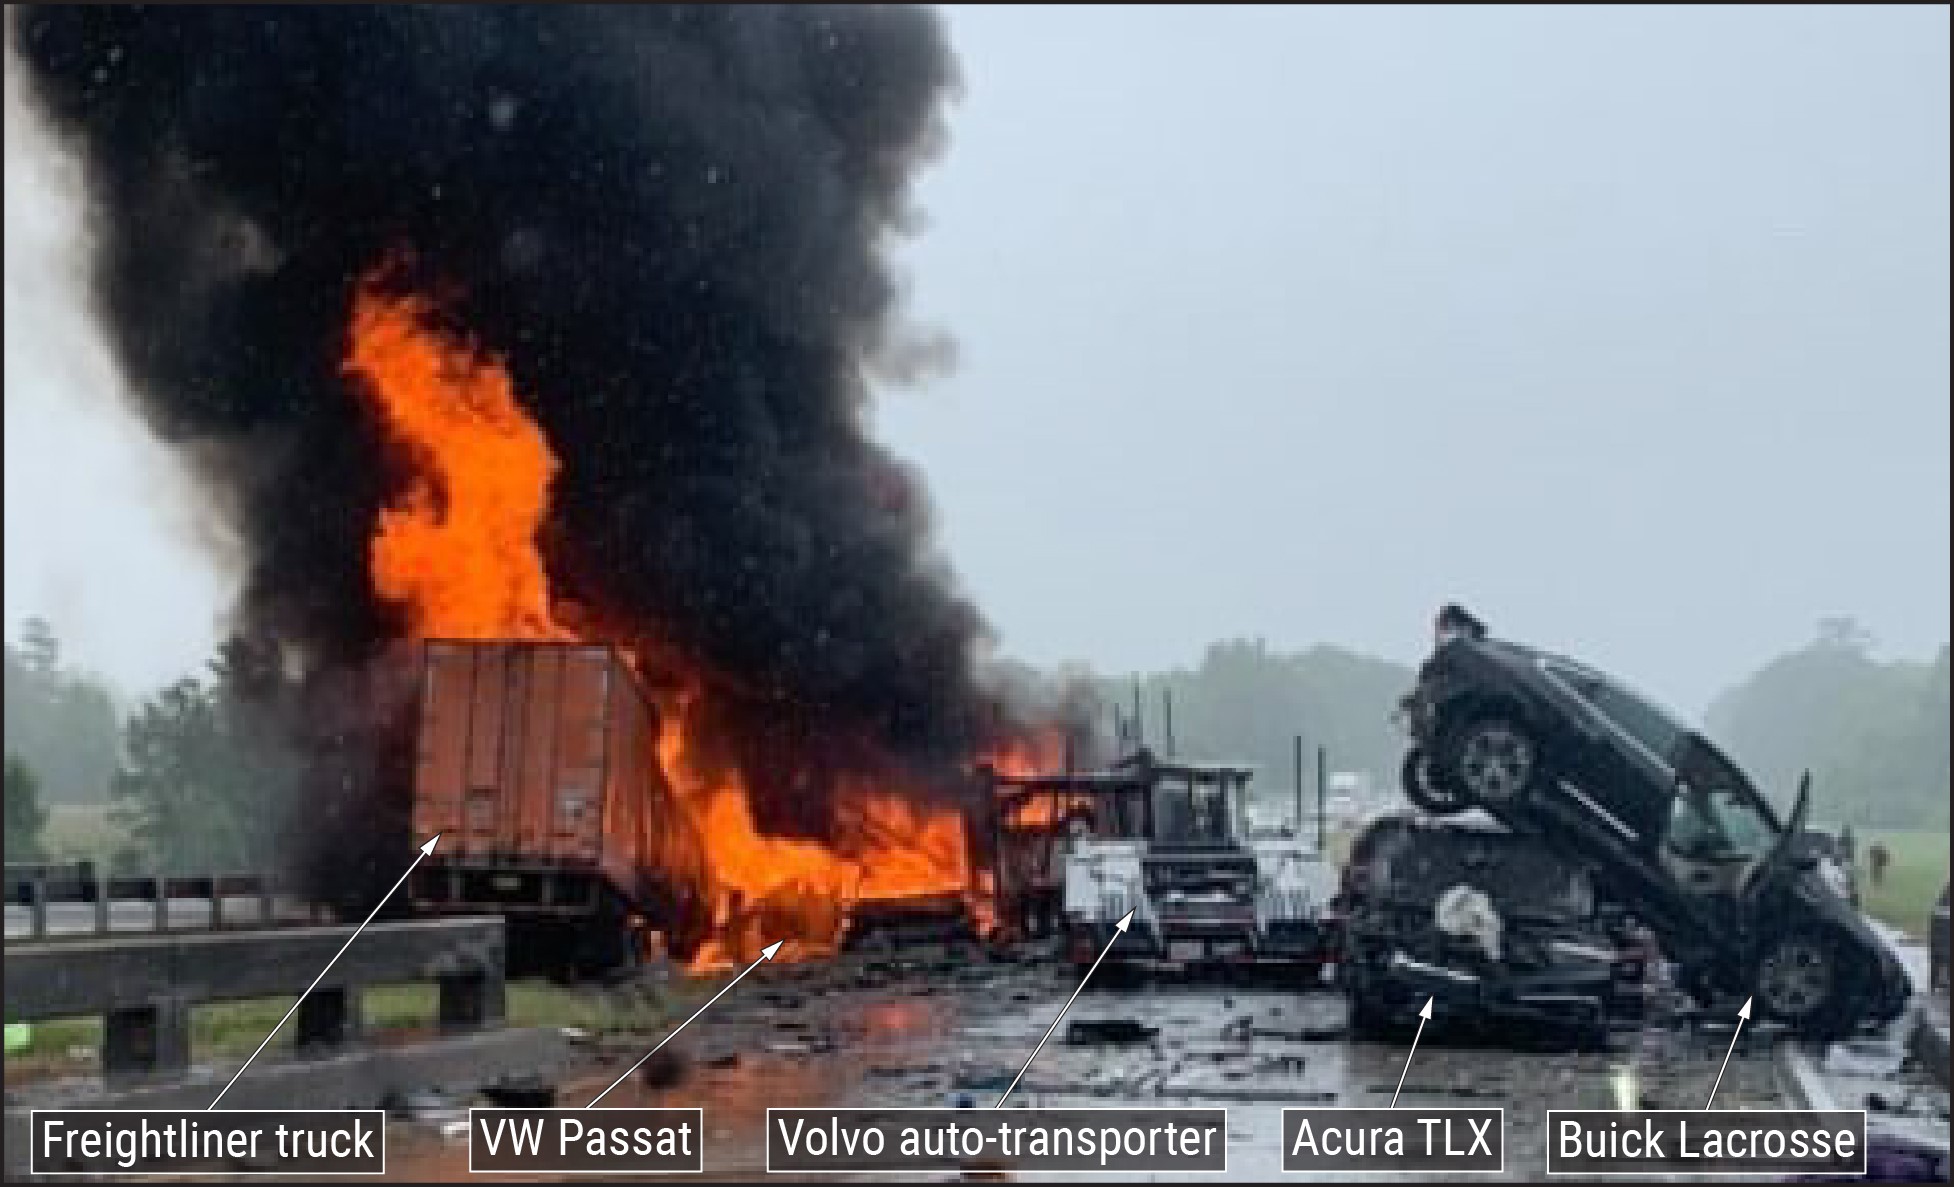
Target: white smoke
(103, 538)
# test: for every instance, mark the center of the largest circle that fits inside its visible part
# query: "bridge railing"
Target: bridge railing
(229, 899)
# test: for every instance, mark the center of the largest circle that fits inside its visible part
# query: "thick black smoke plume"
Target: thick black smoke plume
(668, 221)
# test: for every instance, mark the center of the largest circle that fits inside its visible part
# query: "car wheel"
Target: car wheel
(1493, 761)
(1422, 787)
(1798, 982)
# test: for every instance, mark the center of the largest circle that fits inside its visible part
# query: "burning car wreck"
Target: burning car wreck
(1169, 841)
(1499, 930)
(1671, 828)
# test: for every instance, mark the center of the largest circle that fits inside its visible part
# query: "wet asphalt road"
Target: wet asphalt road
(851, 1036)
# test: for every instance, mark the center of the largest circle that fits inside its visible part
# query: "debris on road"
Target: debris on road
(1118, 1032)
(521, 1092)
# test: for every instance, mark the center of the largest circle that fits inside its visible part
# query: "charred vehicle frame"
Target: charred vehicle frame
(1171, 842)
(1498, 929)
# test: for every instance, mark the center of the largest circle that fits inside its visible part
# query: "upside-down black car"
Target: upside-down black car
(1736, 896)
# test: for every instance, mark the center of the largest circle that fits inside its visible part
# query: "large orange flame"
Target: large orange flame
(457, 553)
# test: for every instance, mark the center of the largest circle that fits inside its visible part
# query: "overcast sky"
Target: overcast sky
(1626, 327)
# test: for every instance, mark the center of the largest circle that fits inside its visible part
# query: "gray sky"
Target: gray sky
(1627, 327)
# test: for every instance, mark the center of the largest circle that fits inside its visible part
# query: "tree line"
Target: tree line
(186, 782)
(1873, 734)
(1246, 702)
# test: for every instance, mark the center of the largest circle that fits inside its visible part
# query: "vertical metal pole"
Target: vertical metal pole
(1299, 785)
(98, 885)
(1167, 711)
(1139, 722)
(37, 899)
(1322, 779)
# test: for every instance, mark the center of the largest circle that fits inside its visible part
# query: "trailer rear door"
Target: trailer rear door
(513, 748)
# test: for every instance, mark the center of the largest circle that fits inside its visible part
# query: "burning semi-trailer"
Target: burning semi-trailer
(540, 765)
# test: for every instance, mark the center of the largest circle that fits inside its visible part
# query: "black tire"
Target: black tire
(1424, 790)
(1492, 761)
(1800, 982)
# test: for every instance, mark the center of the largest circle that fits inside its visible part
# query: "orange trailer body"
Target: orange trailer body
(538, 765)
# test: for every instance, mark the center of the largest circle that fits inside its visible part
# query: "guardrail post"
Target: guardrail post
(266, 911)
(97, 888)
(37, 899)
(327, 1020)
(159, 887)
(469, 1000)
(147, 1039)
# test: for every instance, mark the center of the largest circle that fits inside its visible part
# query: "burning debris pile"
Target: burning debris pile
(539, 322)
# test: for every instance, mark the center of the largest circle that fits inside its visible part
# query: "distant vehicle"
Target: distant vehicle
(1737, 897)
(1500, 930)
(1171, 842)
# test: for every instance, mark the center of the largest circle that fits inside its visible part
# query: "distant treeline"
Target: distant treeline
(1248, 703)
(61, 721)
(1873, 734)
(188, 782)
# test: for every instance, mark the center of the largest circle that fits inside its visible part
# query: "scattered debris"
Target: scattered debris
(522, 1092)
(1118, 1032)
(1293, 1065)
(1864, 1057)
(984, 1079)
(416, 1103)
(664, 1069)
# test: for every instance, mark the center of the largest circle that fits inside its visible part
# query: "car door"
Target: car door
(1620, 771)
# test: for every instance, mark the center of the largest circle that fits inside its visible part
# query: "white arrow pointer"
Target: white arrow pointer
(425, 850)
(766, 954)
(1743, 1016)
(1119, 929)
(1424, 1016)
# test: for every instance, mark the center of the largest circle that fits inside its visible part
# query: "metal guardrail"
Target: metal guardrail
(39, 886)
(145, 985)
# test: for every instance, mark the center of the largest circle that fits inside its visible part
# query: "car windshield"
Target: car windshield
(1191, 811)
(1717, 810)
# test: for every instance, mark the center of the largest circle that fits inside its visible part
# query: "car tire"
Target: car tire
(1424, 790)
(1800, 982)
(1492, 761)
